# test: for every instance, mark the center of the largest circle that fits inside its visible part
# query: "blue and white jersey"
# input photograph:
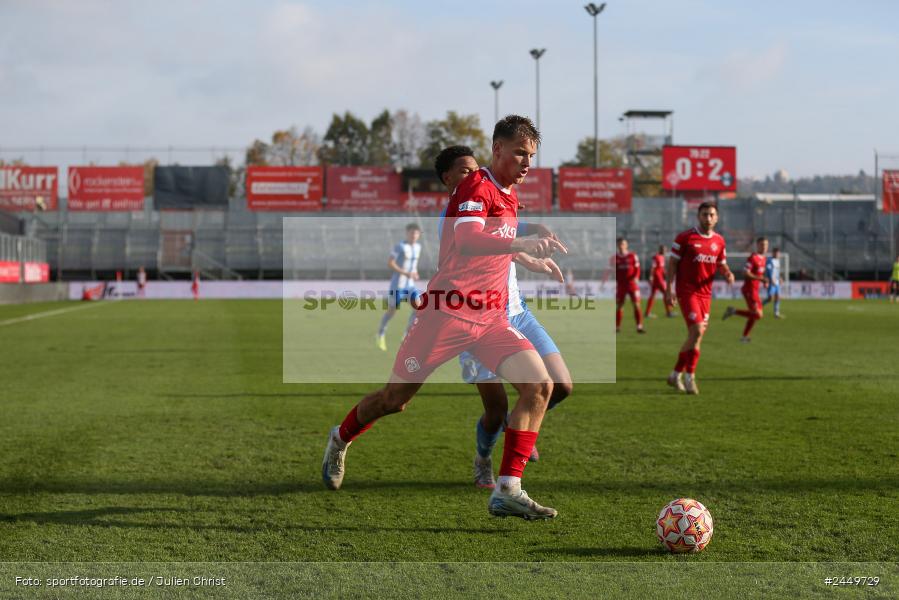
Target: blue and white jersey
(772, 270)
(406, 256)
(516, 302)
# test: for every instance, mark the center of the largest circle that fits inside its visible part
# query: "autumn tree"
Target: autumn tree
(380, 141)
(612, 153)
(289, 147)
(408, 138)
(455, 129)
(346, 142)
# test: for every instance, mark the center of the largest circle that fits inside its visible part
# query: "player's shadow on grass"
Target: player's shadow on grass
(100, 517)
(621, 552)
(856, 376)
(221, 489)
(324, 395)
(313, 485)
(94, 516)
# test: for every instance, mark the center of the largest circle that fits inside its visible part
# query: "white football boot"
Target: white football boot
(518, 504)
(690, 384)
(335, 457)
(676, 380)
(483, 472)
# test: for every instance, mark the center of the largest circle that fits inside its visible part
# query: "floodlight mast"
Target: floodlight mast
(594, 10)
(536, 53)
(496, 85)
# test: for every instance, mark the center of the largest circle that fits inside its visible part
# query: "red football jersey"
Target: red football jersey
(627, 267)
(479, 198)
(755, 265)
(698, 259)
(658, 267)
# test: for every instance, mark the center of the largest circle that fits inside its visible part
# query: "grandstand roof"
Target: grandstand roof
(763, 197)
(648, 114)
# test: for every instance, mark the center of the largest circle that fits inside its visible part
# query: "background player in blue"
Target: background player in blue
(453, 164)
(403, 262)
(772, 272)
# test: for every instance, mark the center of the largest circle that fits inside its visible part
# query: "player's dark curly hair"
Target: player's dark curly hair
(447, 157)
(512, 126)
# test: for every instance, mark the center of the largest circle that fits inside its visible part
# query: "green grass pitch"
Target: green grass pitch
(145, 431)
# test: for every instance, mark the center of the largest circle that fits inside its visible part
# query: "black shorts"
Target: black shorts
(894, 287)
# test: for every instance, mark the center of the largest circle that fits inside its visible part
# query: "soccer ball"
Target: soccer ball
(684, 525)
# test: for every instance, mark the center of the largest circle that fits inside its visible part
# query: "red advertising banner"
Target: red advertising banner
(582, 189)
(536, 193)
(870, 289)
(890, 191)
(699, 168)
(424, 201)
(21, 187)
(106, 188)
(365, 188)
(37, 272)
(284, 188)
(9, 271)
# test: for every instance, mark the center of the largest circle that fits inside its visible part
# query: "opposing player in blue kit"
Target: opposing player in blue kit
(403, 262)
(453, 164)
(772, 272)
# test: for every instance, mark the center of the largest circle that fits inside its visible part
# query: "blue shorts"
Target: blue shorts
(773, 289)
(397, 296)
(528, 325)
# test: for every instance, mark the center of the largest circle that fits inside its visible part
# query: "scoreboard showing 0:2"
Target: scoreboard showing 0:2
(699, 168)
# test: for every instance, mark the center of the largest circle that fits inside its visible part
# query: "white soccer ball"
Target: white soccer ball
(684, 525)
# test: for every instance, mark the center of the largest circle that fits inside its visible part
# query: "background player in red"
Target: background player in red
(476, 248)
(627, 278)
(657, 283)
(696, 255)
(754, 273)
(195, 286)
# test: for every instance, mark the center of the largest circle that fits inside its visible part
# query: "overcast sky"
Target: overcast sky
(807, 86)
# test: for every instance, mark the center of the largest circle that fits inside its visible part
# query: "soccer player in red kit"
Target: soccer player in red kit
(627, 277)
(657, 283)
(464, 308)
(755, 275)
(696, 256)
(195, 286)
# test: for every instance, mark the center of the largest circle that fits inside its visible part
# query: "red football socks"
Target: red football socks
(516, 451)
(749, 324)
(683, 358)
(351, 428)
(618, 314)
(692, 361)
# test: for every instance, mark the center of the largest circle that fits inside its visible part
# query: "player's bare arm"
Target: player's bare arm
(748, 274)
(391, 263)
(724, 270)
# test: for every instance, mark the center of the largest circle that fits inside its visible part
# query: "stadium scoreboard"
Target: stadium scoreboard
(699, 168)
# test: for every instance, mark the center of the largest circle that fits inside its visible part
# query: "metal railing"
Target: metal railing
(826, 240)
(22, 249)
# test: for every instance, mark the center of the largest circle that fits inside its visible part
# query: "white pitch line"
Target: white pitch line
(48, 313)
